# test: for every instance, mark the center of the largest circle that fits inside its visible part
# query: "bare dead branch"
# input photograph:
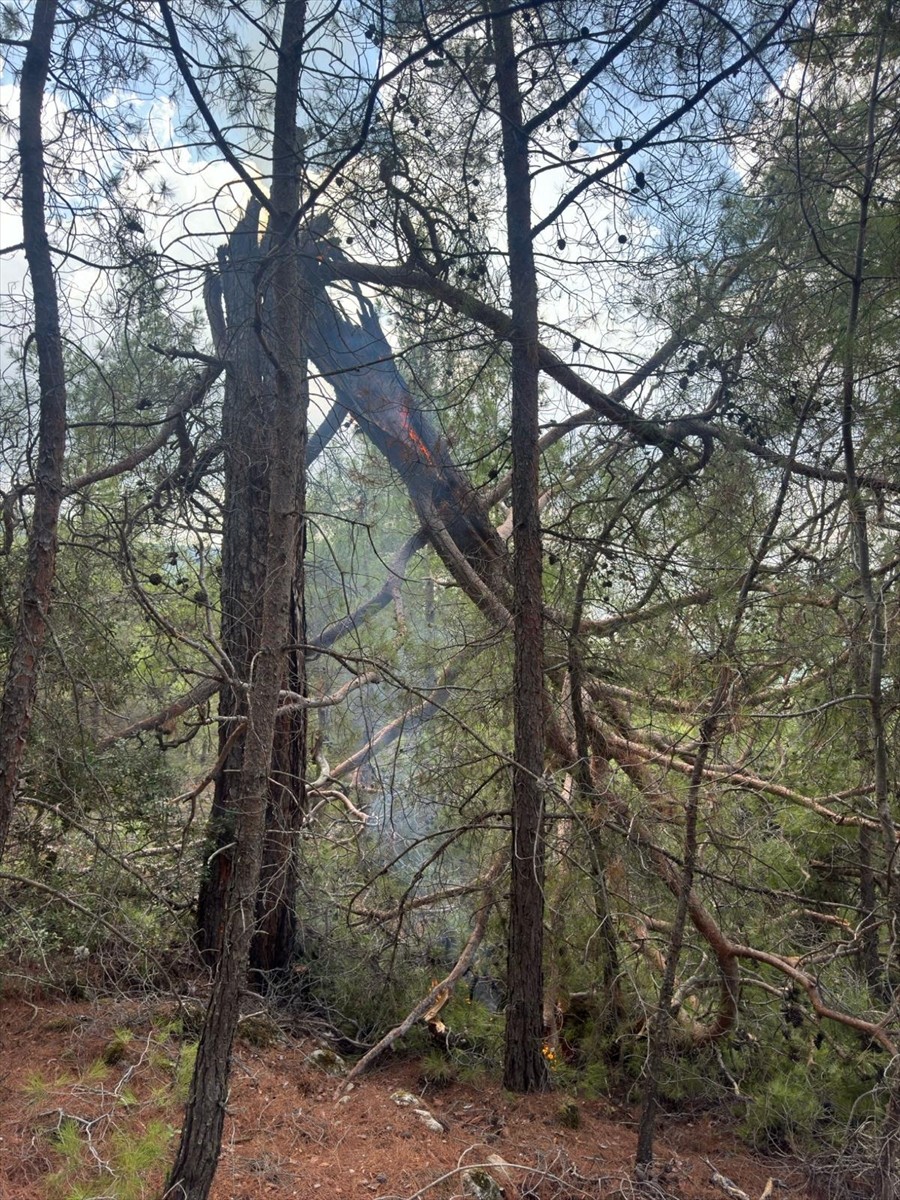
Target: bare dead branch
(459, 969)
(193, 699)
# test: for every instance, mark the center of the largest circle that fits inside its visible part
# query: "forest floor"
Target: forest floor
(91, 1094)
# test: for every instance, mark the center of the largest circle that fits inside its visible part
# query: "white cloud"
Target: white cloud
(187, 207)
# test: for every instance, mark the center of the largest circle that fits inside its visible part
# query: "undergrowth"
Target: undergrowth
(107, 1130)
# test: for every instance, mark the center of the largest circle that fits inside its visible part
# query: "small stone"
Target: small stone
(429, 1121)
(478, 1184)
(502, 1168)
(328, 1061)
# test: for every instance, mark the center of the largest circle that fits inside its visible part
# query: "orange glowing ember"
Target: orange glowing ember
(420, 446)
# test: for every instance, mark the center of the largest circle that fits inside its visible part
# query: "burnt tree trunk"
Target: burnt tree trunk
(275, 940)
(357, 359)
(21, 680)
(246, 430)
(524, 1068)
(280, 393)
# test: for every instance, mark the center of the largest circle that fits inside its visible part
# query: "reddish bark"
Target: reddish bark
(524, 1069)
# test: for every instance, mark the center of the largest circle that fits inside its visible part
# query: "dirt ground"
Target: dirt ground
(91, 1095)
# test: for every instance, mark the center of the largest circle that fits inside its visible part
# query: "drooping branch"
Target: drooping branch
(625, 750)
(751, 53)
(375, 603)
(189, 399)
(876, 1030)
(608, 405)
(728, 952)
(433, 702)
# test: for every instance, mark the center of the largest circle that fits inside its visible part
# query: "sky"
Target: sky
(188, 199)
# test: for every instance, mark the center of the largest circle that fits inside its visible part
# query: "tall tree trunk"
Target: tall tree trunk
(275, 941)
(21, 680)
(246, 426)
(524, 1068)
(198, 1152)
(246, 429)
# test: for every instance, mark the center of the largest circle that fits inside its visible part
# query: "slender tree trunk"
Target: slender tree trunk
(661, 1023)
(867, 909)
(195, 1164)
(246, 426)
(525, 1069)
(17, 705)
(275, 941)
(873, 968)
(586, 770)
(859, 520)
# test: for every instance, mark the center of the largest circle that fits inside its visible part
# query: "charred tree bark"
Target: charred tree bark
(524, 1068)
(281, 304)
(358, 361)
(246, 431)
(21, 680)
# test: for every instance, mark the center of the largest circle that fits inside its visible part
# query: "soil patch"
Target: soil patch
(91, 1096)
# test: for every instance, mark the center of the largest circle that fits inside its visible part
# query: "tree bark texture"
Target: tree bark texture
(281, 301)
(361, 367)
(20, 688)
(525, 1068)
(246, 429)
